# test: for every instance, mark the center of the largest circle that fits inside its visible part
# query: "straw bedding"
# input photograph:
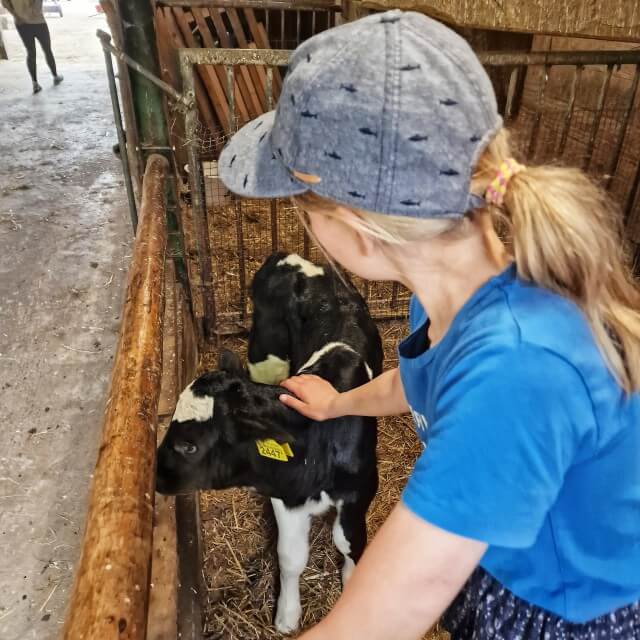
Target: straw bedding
(239, 535)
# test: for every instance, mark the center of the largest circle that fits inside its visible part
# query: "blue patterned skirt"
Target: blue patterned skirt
(485, 610)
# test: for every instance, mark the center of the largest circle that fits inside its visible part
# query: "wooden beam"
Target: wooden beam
(257, 72)
(603, 19)
(162, 618)
(260, 37)
(202, 98)
(240, 87)
(110, 593)
(190, 587)
(244, 85)
(207, 39)
(212, 80)
(170, 73)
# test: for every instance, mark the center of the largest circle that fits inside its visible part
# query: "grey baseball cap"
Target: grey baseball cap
(391, 112)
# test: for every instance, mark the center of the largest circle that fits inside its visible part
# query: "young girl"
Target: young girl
(521, 518)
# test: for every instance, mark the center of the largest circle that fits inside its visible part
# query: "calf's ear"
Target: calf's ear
(253, 428)
(230, 362)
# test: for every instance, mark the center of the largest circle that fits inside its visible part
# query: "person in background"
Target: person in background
(32, 26)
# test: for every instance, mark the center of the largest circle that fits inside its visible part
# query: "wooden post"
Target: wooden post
(111, 590)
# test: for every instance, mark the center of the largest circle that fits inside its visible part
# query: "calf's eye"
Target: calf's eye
(186, 448)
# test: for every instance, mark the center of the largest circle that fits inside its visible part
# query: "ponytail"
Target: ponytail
(565, 235)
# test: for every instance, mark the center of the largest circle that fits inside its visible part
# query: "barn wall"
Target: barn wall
(608, 19)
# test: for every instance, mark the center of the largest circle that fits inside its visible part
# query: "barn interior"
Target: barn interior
(194, 72)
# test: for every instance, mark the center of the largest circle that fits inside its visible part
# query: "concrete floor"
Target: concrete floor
(65, 243)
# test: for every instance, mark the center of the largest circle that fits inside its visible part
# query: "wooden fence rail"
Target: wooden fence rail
(111, 589)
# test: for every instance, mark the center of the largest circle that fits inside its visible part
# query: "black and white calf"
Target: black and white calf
(231, 431)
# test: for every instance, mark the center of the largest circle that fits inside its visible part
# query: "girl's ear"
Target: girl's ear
(367, 245)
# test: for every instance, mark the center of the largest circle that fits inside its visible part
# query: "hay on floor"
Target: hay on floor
(239, 535)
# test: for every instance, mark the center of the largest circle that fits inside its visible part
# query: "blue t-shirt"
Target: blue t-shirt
(530, 446)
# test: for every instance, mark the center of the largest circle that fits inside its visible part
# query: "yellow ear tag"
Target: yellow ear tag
(271, 449)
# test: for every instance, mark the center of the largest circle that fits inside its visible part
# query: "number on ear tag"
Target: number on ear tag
(269, 448)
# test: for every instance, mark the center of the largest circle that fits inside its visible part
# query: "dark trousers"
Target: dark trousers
(485, 610)
(29, 33)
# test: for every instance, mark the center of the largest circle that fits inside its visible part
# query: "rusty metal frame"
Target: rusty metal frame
(579, 59)
(303, 5)
(181, 102)
(230, 58)
(559, 58)
(108, 49)
(188, 58)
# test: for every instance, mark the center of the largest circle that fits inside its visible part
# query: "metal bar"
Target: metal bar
(267, 13)
(297, 28)
(623, 133)
(280, 57)
(511, 91)
(105, 39)
(152, 147)
(231, 97)
(269, 88)
(124, 157)
(313, 23)
(327, 5)
(568, 117)
(241, 260)
(631, 196)
(539, 107)
(306, 244)
(394, 296)
(198, 203)
(191, 590)
(604, 88)
(234, 57)
(282, 29)
(274, 225)
(559, 58)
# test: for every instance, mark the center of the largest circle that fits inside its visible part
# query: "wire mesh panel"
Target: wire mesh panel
(577, 108)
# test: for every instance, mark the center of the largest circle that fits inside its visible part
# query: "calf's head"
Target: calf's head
(217, 420)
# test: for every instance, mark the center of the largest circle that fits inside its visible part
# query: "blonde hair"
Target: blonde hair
(564, 234)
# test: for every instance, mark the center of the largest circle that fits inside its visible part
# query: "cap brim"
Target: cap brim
(251, 168)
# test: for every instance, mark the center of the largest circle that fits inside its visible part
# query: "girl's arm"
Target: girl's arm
(405, 580)
(318, 400)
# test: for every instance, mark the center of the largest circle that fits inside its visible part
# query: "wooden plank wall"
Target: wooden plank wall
(180, 357)
(196, 27)
(606, 19)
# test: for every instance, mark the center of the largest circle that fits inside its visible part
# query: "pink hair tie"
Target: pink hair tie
(498, 186)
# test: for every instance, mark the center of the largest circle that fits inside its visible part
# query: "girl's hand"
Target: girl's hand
(315, 397)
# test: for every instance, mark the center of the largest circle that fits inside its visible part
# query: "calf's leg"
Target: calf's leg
(350, 535)
(293, 553)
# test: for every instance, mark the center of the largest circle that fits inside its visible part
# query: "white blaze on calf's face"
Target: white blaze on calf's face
(192, 407)
(308, 268)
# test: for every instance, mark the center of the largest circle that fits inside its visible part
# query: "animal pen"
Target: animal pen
(203, 566)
